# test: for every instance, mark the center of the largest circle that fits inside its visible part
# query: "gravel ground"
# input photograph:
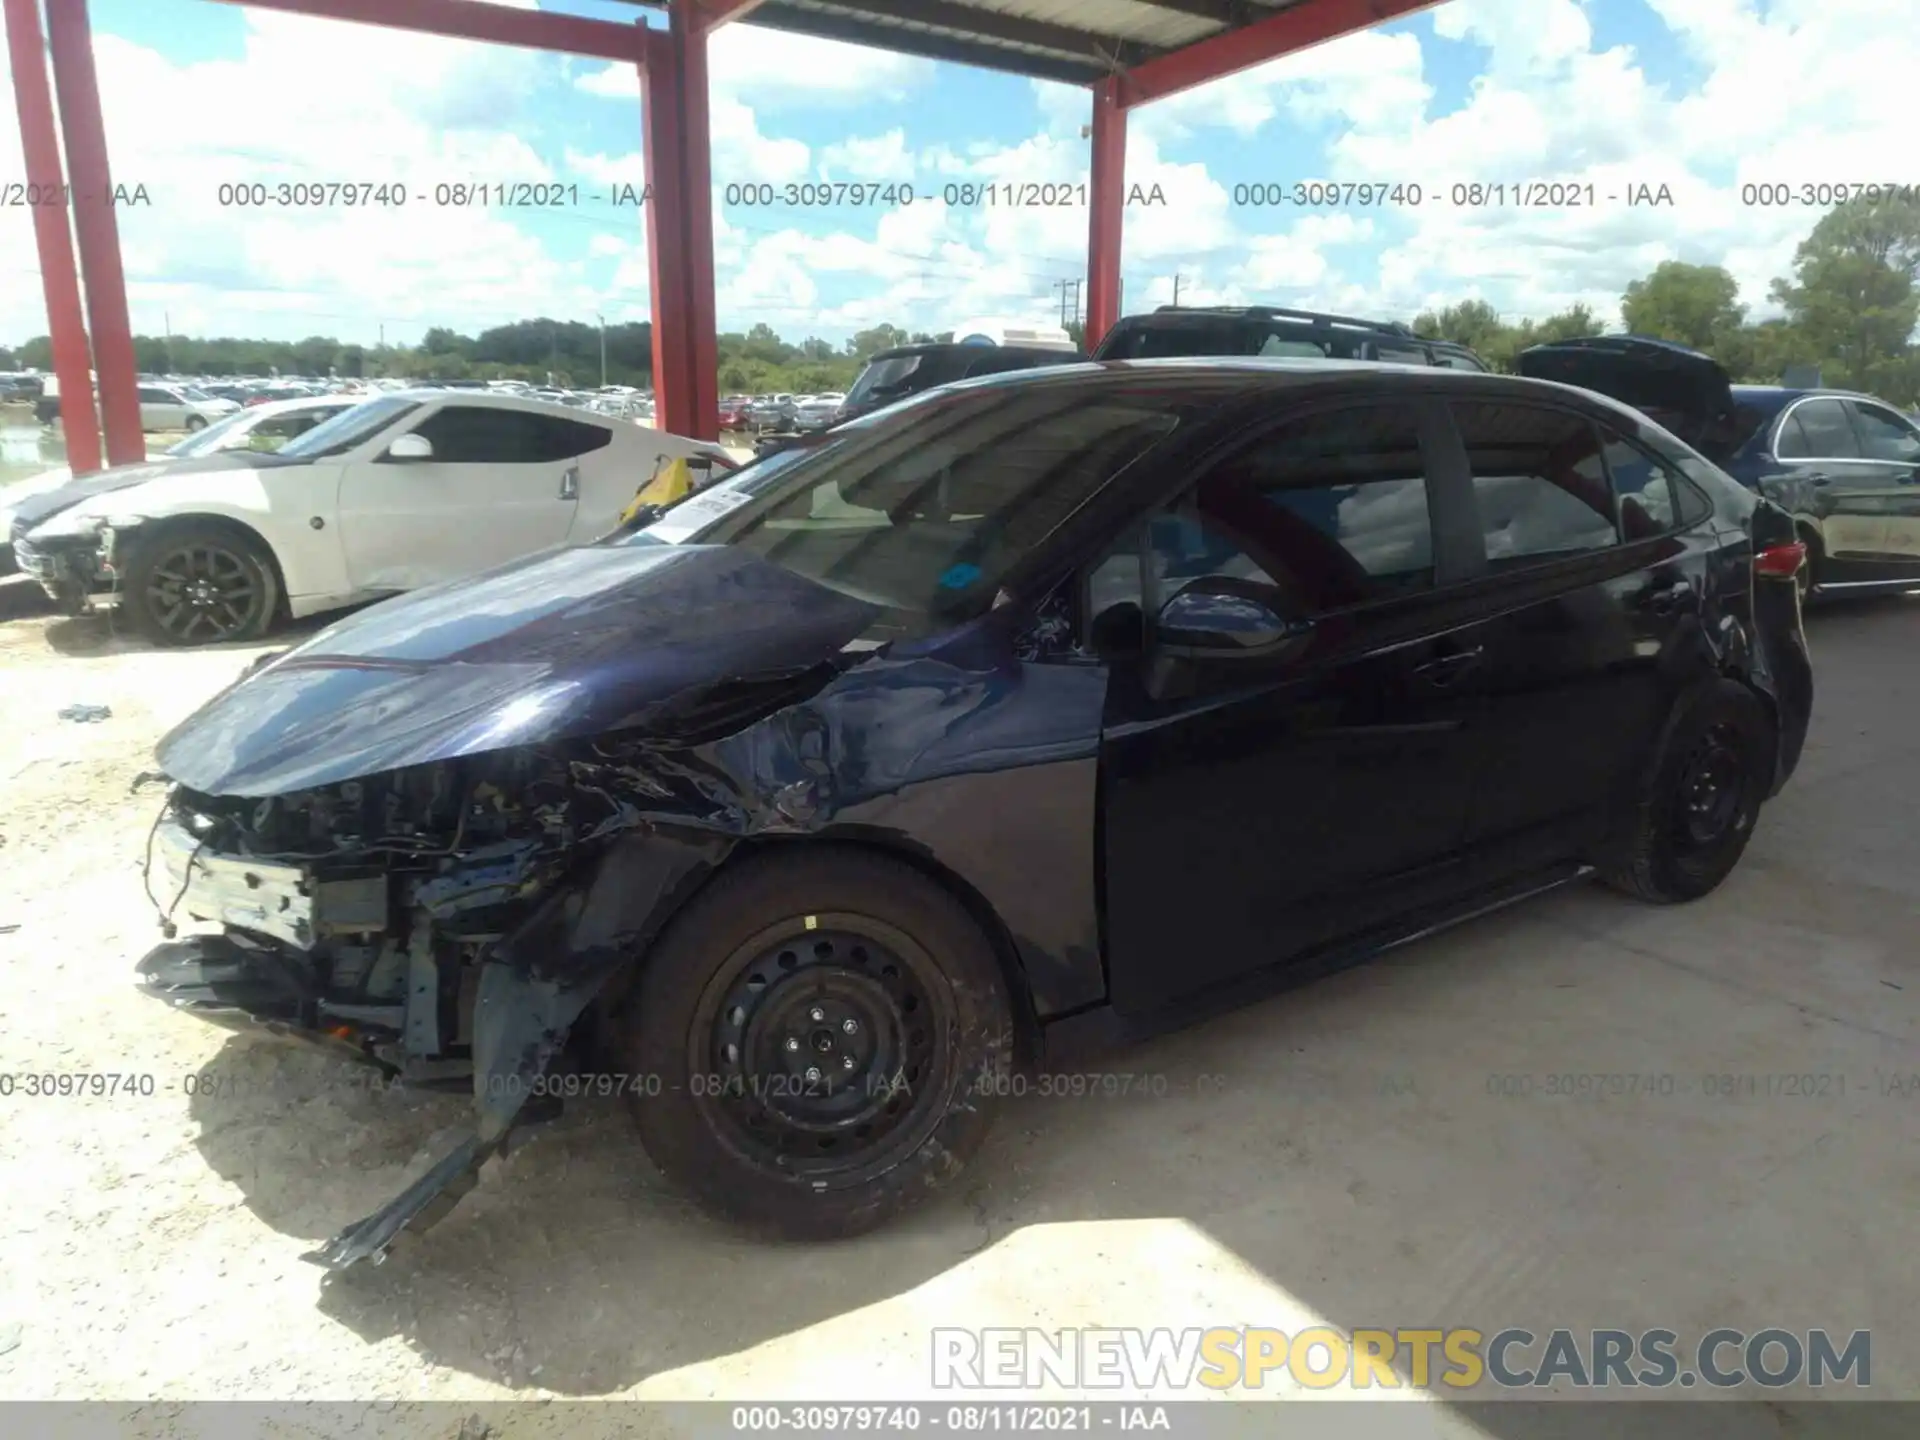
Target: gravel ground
(1334, 1155)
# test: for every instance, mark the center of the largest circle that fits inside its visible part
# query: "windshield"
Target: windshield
(205, 442)
(888, 377)
(194, 392)
(924, 509)
(349, 428)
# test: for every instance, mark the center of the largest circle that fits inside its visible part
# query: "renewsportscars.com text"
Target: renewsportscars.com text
(1322, 1358)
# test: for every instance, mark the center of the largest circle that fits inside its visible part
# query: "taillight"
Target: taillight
(1781, 562)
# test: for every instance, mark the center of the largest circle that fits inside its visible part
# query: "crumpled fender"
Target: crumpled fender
(533, 988)
(883, 750)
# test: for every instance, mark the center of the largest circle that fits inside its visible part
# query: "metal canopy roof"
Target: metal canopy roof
(1075, 41)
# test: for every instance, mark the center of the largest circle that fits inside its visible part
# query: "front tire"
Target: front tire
(1697, 808)
(199, 583)
(196, 423)
(831, 1030)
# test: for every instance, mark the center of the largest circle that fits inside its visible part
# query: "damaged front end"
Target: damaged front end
(444, 923)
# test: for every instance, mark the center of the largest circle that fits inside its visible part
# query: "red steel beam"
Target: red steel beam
(1307, 24)
(1106, 207)
(697, 209)
(710, 15)
(680, 230)
(661, 112)
(59, 280)
(70, 41)
(473, 20)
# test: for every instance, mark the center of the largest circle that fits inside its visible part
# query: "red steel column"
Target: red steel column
(40, 144)
(661, 109)
(1106, 205)
(697, 202)
(680, 230)
(71, 40)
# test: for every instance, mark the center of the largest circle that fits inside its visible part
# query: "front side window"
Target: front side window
(482, 435)
(1817, 430)
(1539, 480)
(1324, 513)
(925, 509)
(1885, 435)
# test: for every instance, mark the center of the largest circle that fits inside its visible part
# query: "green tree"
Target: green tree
(1695, 305)
(1473, 323)
(1852, 297)
(866, 343)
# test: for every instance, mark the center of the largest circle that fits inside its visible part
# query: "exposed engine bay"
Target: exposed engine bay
(372, 903)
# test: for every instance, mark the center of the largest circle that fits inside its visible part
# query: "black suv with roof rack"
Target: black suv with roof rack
(1186, 330)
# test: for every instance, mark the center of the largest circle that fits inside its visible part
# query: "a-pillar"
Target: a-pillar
(59, 281)
(673, 84)
(1106, 204)
(70, 41)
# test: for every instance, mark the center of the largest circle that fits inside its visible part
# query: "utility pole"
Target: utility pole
(1061, 286)
(603, 348)
(166, 326)
(1176, 288)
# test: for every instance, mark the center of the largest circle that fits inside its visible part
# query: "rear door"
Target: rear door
(1830, 478)
(1264, 810)
(161, 409)
(1594, 575)
(1890, 443)
(494, 489)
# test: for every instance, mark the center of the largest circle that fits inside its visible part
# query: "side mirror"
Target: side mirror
(411, 447)
(1216, 616)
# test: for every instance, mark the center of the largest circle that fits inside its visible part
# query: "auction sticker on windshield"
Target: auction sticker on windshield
(696, 512)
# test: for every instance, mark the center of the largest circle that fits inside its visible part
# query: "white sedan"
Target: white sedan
(396, 492)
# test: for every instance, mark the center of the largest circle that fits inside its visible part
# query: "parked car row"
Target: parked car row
(310, 505)
(171, 402)
(872, 767)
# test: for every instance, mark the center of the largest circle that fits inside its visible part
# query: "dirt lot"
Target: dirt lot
(1351, 1163)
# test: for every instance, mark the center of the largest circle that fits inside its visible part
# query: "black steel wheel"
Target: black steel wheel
(830, 1029)
(198, 584)
(1702, 797)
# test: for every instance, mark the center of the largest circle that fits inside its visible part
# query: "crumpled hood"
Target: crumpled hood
(36, 509)
(562, 645)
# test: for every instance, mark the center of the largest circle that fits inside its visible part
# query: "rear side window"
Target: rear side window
(558, 439)
(1539, 480)
(1817, 430)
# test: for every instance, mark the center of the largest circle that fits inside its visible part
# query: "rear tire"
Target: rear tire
(196, 423)
(1697, 808)
(830, 1030)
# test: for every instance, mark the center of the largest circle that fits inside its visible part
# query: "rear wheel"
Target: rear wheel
(196, 422)
(830, 1029)
(1697, 809)
(198, 583)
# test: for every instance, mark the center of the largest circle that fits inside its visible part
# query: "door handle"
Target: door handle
(570, 483)
(1818, 480)
(1445, 669)
(1669, 598)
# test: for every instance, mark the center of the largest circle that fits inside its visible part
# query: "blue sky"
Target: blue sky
(1696, 95)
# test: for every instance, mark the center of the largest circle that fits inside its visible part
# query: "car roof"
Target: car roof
(298, 403)
(493, 400)
(1778, 397)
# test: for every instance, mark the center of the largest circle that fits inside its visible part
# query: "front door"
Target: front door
(490, 492)
(1262, 809)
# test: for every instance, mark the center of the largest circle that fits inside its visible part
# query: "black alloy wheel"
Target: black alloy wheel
(830, 1030)
(199, 585)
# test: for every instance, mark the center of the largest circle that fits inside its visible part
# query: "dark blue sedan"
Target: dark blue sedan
(1846, 465)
